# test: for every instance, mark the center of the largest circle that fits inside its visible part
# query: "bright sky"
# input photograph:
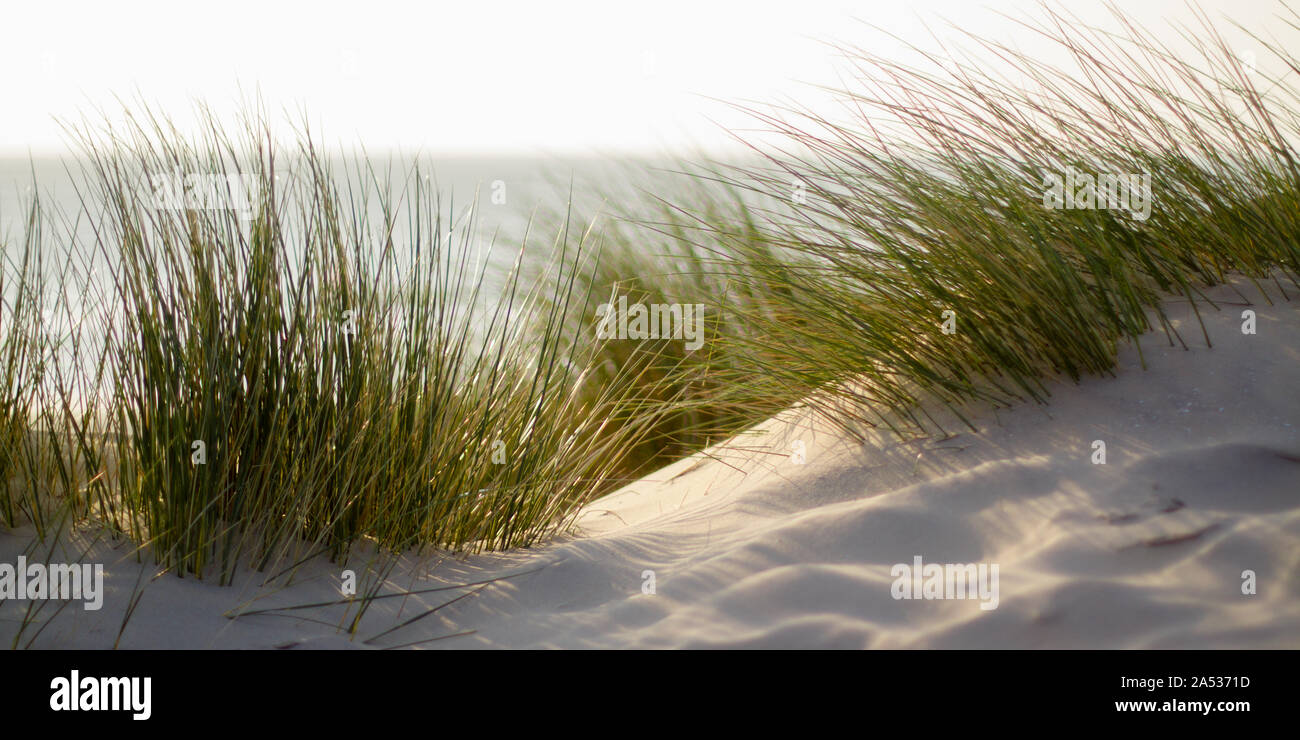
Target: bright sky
(487, 76)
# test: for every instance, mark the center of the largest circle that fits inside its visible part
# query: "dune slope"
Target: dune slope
(749, 548)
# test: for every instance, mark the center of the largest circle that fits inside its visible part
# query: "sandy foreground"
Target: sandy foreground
(751, 549)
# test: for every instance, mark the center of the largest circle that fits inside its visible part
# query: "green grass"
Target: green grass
(21, 367)
(930, 198)
(320, 373)
(649, 254)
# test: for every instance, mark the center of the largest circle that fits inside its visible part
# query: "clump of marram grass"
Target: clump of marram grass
(309, 362)
(932, 200)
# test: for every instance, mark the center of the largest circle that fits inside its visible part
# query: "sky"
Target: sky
(483, 77)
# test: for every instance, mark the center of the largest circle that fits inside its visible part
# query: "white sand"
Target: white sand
(1202, 482)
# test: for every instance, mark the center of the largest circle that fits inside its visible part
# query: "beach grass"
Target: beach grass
(21, 368)
(923, 249)
(294, 373)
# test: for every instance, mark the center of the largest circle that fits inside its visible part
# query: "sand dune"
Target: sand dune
(1201, 482)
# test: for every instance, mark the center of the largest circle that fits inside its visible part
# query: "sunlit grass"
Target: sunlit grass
(22, 351)
(319, 370)
(858, 233)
